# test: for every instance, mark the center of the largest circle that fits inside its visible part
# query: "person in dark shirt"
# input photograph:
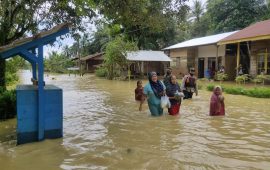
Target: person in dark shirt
(189, 84)
(139, 96)
(167, 77)
(175, 94)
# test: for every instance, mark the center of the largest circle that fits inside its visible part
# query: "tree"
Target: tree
(231, 15)
(147, 22)
(18, 17)
(57, 63)
(197, 10)
(199, 20)
(115, 54)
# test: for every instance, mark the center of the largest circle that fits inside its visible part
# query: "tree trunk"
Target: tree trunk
(2, 74)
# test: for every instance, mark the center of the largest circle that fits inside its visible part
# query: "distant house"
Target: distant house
(142, 62)
(201, 53)
(91, 62)
(139, 62)
(250, 47)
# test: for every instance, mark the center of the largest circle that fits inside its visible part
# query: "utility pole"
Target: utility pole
(79, 56)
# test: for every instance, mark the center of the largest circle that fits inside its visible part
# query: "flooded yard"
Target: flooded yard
(103, 129)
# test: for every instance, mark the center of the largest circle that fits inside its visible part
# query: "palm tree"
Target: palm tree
(197, 10)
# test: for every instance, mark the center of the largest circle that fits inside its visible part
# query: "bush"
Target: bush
(11, 78)
(258, 92)
(221, 77)
(101, 72)
(254, 92)
(235, 90)
(210, 87)
(7, 104)
(242, 78)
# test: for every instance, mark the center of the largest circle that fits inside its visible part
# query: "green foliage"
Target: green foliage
(115, 55)
(152, 24)
(235, 90)
(261, 78)
(258, 92)
(11, 78)
(210, 87)
(7, 104)
(12, 67)
(101, 72)
(57, 63)
(231, 15)
(25, 16)
(252, 92)
(242, 78)
(221, 77)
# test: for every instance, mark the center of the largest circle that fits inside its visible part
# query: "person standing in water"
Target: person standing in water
(154, 90)
(139, 96)
(189, 84)
(167, 77)
(217, 106)
(173, 91)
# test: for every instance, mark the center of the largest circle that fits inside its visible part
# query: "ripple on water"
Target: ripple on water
(103, 129)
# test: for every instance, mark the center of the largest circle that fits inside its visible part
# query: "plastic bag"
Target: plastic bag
(165, 102)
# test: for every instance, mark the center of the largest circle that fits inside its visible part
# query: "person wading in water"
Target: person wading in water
(167, 77)
(154, 90)
(174, 93)
(217, 106)
(189, 84)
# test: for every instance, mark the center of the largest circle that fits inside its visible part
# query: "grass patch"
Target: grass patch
(259, 92)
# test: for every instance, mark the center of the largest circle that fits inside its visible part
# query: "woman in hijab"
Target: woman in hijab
(173, 92)
(154, 90)
(217, 106)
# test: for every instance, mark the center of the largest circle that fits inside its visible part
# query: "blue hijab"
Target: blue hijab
(157, 87)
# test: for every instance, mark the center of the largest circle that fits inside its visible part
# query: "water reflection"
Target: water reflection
(104, 130)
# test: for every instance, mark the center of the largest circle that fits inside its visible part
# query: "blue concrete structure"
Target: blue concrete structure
(38, 117)
(27, 109)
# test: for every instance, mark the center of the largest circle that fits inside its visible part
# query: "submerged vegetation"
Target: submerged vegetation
(259, 92)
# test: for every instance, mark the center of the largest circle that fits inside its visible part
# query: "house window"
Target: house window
(175, 62)
(260, 63)
(263, 59)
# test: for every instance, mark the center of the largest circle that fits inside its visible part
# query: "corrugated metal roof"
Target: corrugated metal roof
(256, 30)
(143, 55)
(212, 39)
(93, 56)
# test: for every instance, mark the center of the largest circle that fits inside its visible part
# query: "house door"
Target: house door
(201, 68)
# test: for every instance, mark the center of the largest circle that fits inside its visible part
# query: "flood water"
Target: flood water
(103, 129)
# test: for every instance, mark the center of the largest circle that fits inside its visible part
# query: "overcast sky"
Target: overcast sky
(58, 45)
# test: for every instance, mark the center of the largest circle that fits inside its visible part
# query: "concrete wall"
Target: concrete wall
(211, 51)
(192, 59)
(180, 56)
(257, 47)
(188, 57)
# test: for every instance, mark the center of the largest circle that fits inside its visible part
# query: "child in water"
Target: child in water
(139, 96)
(217, 106)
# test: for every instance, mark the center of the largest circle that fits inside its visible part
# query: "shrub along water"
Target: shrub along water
(7, 104)
(259, 92)
(101, 72)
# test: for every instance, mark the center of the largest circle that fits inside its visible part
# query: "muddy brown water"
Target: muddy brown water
(103, 129)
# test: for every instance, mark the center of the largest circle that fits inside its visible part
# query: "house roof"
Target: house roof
(257, 31)
(143, 55)
(22, 41)
(92, 56)
(212, 39)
